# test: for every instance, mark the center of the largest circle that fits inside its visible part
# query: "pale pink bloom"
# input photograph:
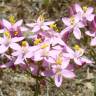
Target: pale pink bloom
(56, 40)
(93, 35)
(40, 24)
(41, 51)
(21, 52)
(9, 26)
(59, 65)
(73, 24)
(61, 72)
(85, 12)
(78, 56)
(6, 42)
(15, 29)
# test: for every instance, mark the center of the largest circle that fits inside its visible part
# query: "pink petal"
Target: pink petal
(80, 25)
(7, 65)
(92, 34)
(93, 42)
(78, 8)
(6, 24)
(17, 39)
(90, 17)
(18, 23)
(19, 60)
(3, 49)
(36, 29)
(68, 74)
(48, 23)
(66, 21)
(28, 55)
(50, 60)
(15, 46)
(58, 80)
(77, 33)
(65, 62)
(55, 41)
(45, 27)
(77, 18)
(31, 24)
(65, 31)
(78, 61)
(85, 60)
(38, 56)
(89, 10)
(2, 30)
(23, 29)
(15, 53)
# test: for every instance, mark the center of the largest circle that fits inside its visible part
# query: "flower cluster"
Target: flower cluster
(44, 51)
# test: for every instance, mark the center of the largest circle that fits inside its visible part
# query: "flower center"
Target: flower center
(77, 47)
(7, 34)
(24, 43)
(37, 41)
(54, 26)
(12, 19)
(16, 33)
(41, 18)
(85, 8)
(59, 59)
(44, 45)
(72, 20)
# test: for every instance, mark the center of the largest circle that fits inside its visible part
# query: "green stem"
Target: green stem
(37, 88)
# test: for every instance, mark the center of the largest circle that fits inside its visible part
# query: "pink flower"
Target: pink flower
(21, 52)
(77, 55)
(40, 24)
(73, 24)
(85, 12)
(14, 28)
(61, 72)
(93, 35)
(6, 41)
(92, 32)
(41, 51)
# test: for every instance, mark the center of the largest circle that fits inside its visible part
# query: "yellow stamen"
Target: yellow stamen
(54, 26)
(37, 41)
(72, 20)
(59, 59)
(12, 19)
(41, 18)
(24, 43)
(7, 34)
(44, 46)
(77, 47)
(16, 33)
(85, 8)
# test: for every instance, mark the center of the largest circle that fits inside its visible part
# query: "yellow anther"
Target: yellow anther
(72, 20)
(77, 47)
(85, 8)
(7, 34)
(59, 60)
(24, 43)
(37, 41)
(44, 45)
(16, 33)
(54, 26)
(41, 18)
(12, 19)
